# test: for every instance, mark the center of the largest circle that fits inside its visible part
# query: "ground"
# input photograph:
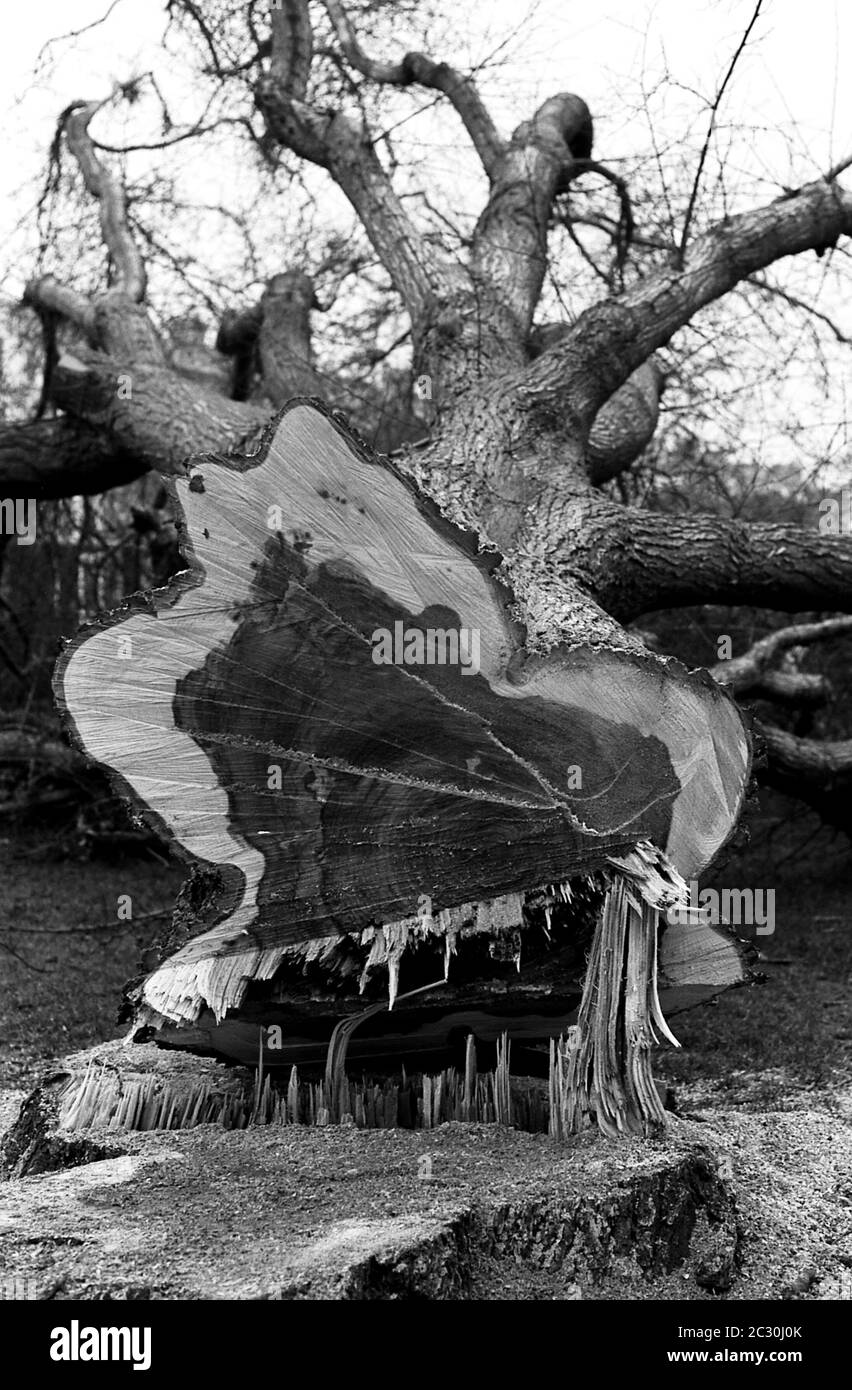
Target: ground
(762, 1144)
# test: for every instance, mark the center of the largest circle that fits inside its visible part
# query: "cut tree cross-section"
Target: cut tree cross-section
(301, 709)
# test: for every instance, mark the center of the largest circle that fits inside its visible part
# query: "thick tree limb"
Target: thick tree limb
(239, 329)
(635, 561)
(509, 252)
(292, 48)
(611, 339)
(750, 673)
(62, 458)
(237, 339)
(417, 68)
(111, 321)
(625, 425)
(129, 410)
(114, 320)
(284, 338)
(124, 329)
(276, 336)
(109, 192)
(794, 688)
(47, 293)
(190, 355)
(818, 772)
(341, 145)
(162, 420)
(812, 760)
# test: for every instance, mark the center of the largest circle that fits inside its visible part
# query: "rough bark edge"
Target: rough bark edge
(484, 556)
(465, 541)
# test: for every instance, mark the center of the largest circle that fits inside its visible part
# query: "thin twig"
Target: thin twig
(86, 931)
(710, 128)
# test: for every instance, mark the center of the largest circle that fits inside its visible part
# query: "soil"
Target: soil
(736, 1206)
(65, 954)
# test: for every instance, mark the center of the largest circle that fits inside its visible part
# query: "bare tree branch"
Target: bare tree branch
(109, 192)
(62, 458)
(696, 184)
(815, 761)
(74, 33)
(636, 562)
(624, 230)
(509, 254)
(292, 47)
(612, 338)
(776, 292)
(47, 293)
(798, 689)
(195, 132)
(342, 145)
(413, 68)
(749, 671)
(161, 419)
(284, 341)
(625, 425)
(817, 772)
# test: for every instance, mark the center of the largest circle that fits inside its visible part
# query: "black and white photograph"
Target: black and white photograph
(425, 673)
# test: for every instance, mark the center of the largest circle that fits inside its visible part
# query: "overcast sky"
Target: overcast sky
(794, 80)
(797, 72)
(800, 64)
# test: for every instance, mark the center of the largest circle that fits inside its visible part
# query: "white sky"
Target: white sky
(798, 69)
(789, 107)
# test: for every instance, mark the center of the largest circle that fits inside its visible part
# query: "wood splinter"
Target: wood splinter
(608, 1073)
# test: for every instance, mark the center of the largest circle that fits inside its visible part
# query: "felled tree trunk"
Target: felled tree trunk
(339, 707)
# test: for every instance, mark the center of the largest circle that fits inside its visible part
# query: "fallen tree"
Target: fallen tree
(335, 706)
(429, 803)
